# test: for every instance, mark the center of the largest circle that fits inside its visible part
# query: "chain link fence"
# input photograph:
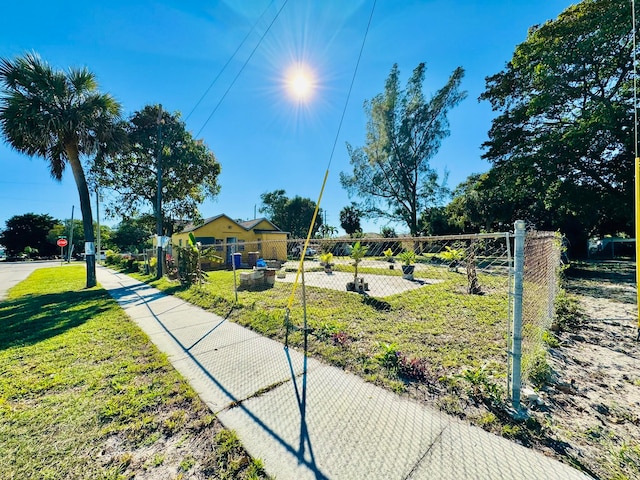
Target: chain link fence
(542, 251)
(415, 314)
(407, 321)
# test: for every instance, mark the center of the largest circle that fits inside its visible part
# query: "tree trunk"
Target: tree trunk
(85, 207)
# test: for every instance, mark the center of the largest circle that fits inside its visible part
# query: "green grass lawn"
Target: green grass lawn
(428, 335)
(84, 394)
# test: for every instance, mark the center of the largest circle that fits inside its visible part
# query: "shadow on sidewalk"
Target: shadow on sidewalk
(300, 392)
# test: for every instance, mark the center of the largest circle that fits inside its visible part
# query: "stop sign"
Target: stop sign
(62, 242)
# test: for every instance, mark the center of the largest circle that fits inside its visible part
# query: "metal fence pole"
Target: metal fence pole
(516, 331)
(509, 309)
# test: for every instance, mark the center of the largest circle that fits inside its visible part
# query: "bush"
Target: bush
(537, 368)
(567, 310)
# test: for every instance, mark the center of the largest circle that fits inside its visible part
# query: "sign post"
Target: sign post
(62, 242)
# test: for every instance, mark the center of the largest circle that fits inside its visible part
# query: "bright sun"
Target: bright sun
(300, 83)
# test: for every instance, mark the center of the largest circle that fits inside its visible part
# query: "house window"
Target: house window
(180, 242)
(219, 245)
(241, 245)
(206, 240)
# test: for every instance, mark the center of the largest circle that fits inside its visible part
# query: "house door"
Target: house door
(231, 248)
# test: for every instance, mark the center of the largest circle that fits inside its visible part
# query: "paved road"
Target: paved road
(12, 273)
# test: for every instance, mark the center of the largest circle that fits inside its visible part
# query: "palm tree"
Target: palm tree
(58, 116)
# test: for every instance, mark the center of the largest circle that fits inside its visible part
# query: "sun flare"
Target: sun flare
(300, 83)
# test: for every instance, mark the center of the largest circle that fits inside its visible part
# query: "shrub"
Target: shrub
(537, 368)
(482, 385)
(326, 258)
(388, 358)
(567, 312)
(408, 257)
(412, 368)
(452, 255)
(388, 254)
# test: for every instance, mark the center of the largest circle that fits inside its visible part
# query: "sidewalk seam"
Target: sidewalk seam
(424, 455)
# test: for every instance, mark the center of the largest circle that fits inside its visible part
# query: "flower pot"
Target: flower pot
(359, 286)
(407, 271)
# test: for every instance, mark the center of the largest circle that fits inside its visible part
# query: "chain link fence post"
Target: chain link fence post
(516, 330)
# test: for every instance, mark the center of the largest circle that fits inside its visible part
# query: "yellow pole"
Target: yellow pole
(637, 161)
(637, 198)
(306, 243)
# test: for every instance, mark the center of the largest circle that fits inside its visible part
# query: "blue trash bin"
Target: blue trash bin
(237, 260)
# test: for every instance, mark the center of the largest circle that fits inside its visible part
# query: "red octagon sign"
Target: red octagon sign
(62, 242)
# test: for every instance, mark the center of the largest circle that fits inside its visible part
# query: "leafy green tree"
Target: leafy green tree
(29, 230)
(133, 235)
(561, 146)
(58, 116)
(391, 173)
(291, 215)
(327, 231)
(350, 219)
(189, 169)
(480, 205)
(388, 232)
(64, 230)
(106, 235)
(435, 221)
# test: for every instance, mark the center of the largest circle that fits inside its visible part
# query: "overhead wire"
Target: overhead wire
(326, 175)
(224, 67)
(242, 68)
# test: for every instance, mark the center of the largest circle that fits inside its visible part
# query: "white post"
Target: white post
(516, 331)
(99, 247)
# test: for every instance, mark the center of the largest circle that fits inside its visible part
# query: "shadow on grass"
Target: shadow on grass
(379, 305)
(33, 318)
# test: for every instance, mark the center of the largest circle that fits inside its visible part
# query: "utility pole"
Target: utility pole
(70, 249)
(160, 257)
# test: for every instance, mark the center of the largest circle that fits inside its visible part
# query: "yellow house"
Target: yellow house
(253, 238)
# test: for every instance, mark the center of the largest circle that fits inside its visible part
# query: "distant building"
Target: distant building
(249, 238)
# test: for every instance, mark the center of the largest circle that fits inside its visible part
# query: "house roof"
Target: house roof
(247, 225)
(250, 224)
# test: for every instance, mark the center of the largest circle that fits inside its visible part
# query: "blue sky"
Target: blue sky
(169, 52)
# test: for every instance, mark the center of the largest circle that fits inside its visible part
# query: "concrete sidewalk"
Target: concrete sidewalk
(325, 424)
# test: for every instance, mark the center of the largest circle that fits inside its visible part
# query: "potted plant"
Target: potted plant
(388, 254)
(325, 259)
(408, 258)
(358, 251)
(453, 257)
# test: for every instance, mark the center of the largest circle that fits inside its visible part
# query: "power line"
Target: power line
(229, 61)
(353, 79)
(326, 175)
(242, 68)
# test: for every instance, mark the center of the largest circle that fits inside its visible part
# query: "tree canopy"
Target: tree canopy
(29, 230)
(391, 173)
(562, 144)
(64, 230)
(59, 116)
(291, 215)
(189, 169)
(350, 219)
(133, 234)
